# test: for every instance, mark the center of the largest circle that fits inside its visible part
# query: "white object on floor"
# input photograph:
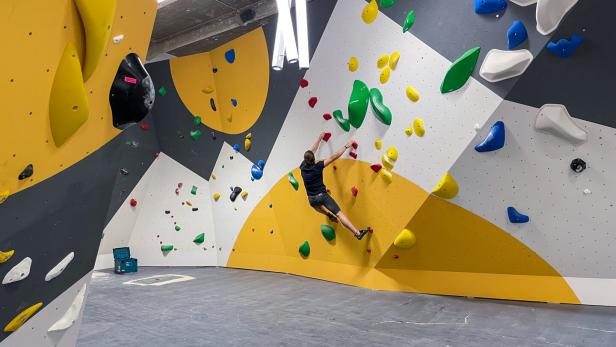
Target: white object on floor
(524, 2)
(178, 278)
(118, 38)
(58, 269)
(18, 272)
(71, 315)
(550, 13)
(557, 120)
(500, 65)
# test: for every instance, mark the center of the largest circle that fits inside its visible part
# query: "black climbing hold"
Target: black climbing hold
(236, 191)
(130, 103)
(247, 15)
(212, 104)
(215, 70)
(167, 212)
(213, 136)
(195, 209)
(124, 171)
(578, 165)
(28, 171)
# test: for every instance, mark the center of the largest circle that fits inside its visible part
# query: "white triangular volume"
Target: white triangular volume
(71, 315)
(500, 65)
(18, 272)
(556, 119)
(550, 13)
(58, 269)
(524, 2)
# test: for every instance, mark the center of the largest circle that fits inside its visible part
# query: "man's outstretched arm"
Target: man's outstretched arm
(315, 146)
(338, 154)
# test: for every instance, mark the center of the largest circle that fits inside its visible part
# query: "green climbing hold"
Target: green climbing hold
(328, 232)
(166, 248)
(358, 103)
(409, 21)
(177, 228)
(199, 238)
(304, 249)
(293, 181)
(162, 91)
(381, 111)
(193, 190)
(460, 71)
(343, 122)
(197, 120)
(195, 134)
(387, 3)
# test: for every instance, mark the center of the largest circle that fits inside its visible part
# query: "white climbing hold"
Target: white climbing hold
(587, 191)
(58, 269)
(477, 127)
(555, 119)
(71, 315)
(550, 13)
(500, 65)
(524, 2)
(18, 272)
(118, 38)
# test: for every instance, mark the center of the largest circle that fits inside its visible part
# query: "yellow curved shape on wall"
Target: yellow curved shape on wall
(68, 102)
(457, 253)
(22, 317)
(246, 80)
(36, 34)
(97, 17)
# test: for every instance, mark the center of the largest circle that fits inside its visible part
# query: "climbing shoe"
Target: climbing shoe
(362, 233)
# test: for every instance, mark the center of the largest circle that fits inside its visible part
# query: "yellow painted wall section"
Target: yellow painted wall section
(246, 80)
(36, 33)
(457, 252)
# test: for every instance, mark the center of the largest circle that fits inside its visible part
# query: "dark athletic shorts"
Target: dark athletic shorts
(324, 199)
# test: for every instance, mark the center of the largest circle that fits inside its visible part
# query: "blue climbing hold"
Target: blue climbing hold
(490, 6)
(261, 163)
(236, 147)
(516, 34)
(230, 56)
(256, 172)
(564, 48)
(495, 139)
(516, 217)
(234, 102)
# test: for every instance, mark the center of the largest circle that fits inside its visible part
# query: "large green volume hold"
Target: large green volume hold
(343, 122)
(460, 71)
(409, 21)
(166, 248)
(358, 104)
(304, 249)
(381, 111)
(328, 232)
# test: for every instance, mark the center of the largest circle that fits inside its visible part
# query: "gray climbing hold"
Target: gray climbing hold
(555, 119)
(501, 65)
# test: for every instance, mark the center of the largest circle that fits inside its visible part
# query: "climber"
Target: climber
(318, 197)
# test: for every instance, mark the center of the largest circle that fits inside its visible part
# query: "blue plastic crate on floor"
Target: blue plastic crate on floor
(123, 262)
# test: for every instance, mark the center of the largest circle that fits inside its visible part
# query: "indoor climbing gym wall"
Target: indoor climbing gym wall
(65, 164)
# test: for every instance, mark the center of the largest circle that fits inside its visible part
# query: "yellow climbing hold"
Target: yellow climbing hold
(392, 153)
(68, 101)
(4, 195)
(371, 10)
(418, 126)
(378, 144)
(208, 90)
(97, 18)
(353, 64)
(412, 94)
(5, 256)
(382, 61)
(393, 60)
(408, 131)
(385, 75)
(22, 317)
(247, 144)
(386, 175)
(387, 164)
(447, 188)
(244, 195)
(188, 202)
(216, 196)
(405, 239)
(249, 136)
(213, 176)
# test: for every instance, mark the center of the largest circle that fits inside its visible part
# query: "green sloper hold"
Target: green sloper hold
(343, 122)
(197, 120)
(162, 91)
(358, 104)
(460, 71)
(409, 21)
(328, 232)
(293, 181)
(387, 3)
(199, 239)
(304, 249)
(195, 134)
(177, 228)
(381, 111)
(166, 248)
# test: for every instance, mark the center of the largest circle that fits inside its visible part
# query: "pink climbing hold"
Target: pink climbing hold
(355, 145)
(327, 116)
(354, 191)
(312, 101)
(133, 202)
(130, 80)
(303, 83)
(144, 126)
(327, 136)
(376, 167)
(156, 154)
(353, 155)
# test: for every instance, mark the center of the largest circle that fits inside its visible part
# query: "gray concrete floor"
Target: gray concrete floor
(228, 307)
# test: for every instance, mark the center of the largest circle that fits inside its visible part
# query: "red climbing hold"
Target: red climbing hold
(355, 145)
(326, 136)
(327, 116)
(353, 155)
(303, 83)
(396, 256)
(312, 101)
(368, 250)
(144, 126)
(130, 80)
(156, 154)
(376, 167)
(133, 202)
(354, 191)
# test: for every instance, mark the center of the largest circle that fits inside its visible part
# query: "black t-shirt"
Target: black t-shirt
(313, 178)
